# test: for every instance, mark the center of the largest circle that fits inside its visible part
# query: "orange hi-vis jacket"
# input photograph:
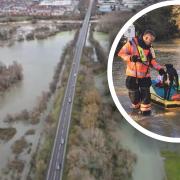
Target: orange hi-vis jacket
(138, 69)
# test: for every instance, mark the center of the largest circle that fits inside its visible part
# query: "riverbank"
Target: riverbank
(29, 30)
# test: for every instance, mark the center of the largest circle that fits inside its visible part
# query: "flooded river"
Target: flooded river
(162, 121)
(38, 59)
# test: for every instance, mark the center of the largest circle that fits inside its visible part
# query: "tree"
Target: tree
(161, 21)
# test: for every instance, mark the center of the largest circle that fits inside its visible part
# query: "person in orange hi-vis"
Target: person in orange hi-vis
(139, 56)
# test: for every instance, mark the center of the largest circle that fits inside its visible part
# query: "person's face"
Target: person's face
(148, 39)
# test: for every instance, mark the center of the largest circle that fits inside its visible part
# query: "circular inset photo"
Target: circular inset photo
(144, 71)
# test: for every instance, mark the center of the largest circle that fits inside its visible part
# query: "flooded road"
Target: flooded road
(162, 121)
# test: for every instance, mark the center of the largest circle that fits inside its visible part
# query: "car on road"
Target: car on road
(62, 140)
(75, 74)
(58, 167)
(69, 100)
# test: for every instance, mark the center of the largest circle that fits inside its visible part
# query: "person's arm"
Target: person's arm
(153, 61)
(125, 52)
(156, 65)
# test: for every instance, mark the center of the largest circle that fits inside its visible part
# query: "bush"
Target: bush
(10, 75)
(19, 146)
(7, 133)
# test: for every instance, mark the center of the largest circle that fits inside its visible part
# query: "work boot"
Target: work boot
(146, 113)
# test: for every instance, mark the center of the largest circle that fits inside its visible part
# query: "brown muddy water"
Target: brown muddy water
(162, 121)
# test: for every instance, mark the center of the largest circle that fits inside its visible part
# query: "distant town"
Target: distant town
(50, 8)
(37, 7)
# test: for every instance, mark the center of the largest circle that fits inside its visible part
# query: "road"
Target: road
(60, 142)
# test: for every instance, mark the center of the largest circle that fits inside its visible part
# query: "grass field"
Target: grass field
(172, 165)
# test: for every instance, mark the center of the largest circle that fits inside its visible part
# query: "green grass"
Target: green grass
(172, 165)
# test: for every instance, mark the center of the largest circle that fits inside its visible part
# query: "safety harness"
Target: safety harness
(143, 57)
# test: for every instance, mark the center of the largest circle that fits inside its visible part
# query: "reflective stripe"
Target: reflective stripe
(136, 106)
(145, 109)
(145, 105)
(153, 53)
(139, 74)
(139, 50)
(141, 53)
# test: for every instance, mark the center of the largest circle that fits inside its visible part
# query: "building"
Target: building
(56, 3)
(105, 8)
(132, 3)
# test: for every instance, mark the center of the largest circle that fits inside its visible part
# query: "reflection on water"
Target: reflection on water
(162, 121)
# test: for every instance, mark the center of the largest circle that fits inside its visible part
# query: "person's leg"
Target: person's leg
(134, 96)
(133, 90)
(145, 106)
(145, 95)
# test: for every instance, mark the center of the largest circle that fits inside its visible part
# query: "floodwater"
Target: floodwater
(164, 122)
(149, 165)
(103, 40)
(38, 59)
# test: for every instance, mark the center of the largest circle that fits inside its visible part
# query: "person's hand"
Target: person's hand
(135, 58)
(149, 57)
(162, 72)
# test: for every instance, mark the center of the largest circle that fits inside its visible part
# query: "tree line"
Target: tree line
(163, 21)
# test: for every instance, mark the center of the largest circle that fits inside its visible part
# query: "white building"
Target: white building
(131, 3)
(56, 3)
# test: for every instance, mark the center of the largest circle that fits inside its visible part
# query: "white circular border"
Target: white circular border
(110, 78)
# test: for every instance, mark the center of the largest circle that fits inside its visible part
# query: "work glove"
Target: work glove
(149, 57)
(162, 72)
(135, 58)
